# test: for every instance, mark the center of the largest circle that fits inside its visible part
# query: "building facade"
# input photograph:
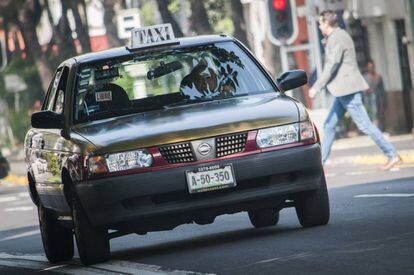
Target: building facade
(382, 31)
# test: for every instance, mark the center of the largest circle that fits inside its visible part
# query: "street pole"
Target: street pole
(315, 49)
(284, 58)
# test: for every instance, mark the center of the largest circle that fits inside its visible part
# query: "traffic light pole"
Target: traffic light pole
(316, 50)
(283, 31)
(286, 49)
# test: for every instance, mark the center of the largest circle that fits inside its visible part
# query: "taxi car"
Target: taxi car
(167, 132)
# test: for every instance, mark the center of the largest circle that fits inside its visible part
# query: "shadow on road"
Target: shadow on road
(208, 241)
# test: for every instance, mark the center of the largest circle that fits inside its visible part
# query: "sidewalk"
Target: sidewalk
(17, 175)
(365, 141)
(361, 150)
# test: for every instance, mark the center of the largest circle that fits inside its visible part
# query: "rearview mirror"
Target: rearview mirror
(291, 79)
(164, 69)
(47, 120)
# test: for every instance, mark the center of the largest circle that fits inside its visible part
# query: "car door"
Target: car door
(52, 149)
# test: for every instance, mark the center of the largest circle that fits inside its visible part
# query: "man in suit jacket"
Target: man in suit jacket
(342, 78)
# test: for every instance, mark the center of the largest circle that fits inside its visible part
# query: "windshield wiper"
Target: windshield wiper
(189, 101)
(106, 114)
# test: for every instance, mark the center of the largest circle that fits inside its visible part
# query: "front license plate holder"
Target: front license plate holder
(209, 178)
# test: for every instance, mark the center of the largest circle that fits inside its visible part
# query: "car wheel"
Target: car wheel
(263, 217)
(312, 207)
(57, 240)
(93, 242)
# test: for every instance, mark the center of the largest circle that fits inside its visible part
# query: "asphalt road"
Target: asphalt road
(371, 231)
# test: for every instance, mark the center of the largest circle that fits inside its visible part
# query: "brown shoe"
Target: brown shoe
(395, 160)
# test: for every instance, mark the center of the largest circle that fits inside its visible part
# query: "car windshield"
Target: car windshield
(166, 79)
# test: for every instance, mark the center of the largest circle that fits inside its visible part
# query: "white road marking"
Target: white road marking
(277, 259)
(357, 173)
(7, 184)
(22, 264)
(21, 202)
(8, 199)
(396, 195)
(40, 263)
(21, 235)
(23, 194)
(16, 209)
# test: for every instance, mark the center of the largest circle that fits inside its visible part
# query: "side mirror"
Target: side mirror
(291, 79)
(47, 120)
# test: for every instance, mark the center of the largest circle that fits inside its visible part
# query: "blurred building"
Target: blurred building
(382, 31)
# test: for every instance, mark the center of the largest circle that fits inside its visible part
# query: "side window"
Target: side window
(60, 94)
(59, 102)
(52, 91)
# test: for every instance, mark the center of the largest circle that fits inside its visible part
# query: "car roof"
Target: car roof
(123, 51)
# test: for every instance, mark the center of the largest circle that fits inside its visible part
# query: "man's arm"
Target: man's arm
(333, 60)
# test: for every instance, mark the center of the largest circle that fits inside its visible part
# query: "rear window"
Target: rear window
(166, 79)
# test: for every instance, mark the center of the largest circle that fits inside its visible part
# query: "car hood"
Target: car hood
(189, 122)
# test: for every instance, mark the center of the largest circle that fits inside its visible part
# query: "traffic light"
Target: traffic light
(283, 26)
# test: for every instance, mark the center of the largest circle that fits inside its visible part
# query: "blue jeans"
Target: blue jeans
(353, 104)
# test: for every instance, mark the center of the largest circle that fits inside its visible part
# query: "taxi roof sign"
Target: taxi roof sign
(156, 35)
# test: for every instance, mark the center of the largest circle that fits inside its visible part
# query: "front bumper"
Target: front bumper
(261, 178)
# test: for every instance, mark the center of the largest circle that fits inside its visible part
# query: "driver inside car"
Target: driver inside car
(203, 82)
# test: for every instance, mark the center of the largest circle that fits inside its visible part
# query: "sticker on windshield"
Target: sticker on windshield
(103, 96)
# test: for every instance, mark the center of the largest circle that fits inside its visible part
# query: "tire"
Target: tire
(263, 217)
(93, 242)
(57, 240)
(312, 207)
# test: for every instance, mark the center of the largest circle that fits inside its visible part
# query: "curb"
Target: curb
(13, 180)
(365, 141)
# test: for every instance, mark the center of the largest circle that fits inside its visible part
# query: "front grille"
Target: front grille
(230, 144)
(177, 153)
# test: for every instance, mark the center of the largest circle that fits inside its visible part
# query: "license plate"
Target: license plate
(210, 178)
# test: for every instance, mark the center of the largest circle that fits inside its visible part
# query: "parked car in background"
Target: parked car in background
(4, 166)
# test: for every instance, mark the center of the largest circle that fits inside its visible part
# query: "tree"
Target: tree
(168, 18)
(110, 26)
(63, 35)
(82, 29)
(271, 57)
(237, 16)
(199, 19)
(28, 17)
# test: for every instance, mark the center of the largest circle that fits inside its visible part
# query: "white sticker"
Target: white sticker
(103, 96)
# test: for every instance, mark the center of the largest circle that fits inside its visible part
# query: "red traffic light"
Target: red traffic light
(279, 5)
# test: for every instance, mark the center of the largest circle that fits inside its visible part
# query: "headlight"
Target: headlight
(128, 160)
(120, 161)
(284, 134)
(277, 135)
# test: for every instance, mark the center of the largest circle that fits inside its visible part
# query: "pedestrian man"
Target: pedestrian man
(375, 97)
(342, 78)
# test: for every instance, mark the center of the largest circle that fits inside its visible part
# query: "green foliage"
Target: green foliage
(147, 14)
(216, 10)
(19, 123)
(52, 162)
(29, 73)
(224, 26)
(174, 6)
(218, 16)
